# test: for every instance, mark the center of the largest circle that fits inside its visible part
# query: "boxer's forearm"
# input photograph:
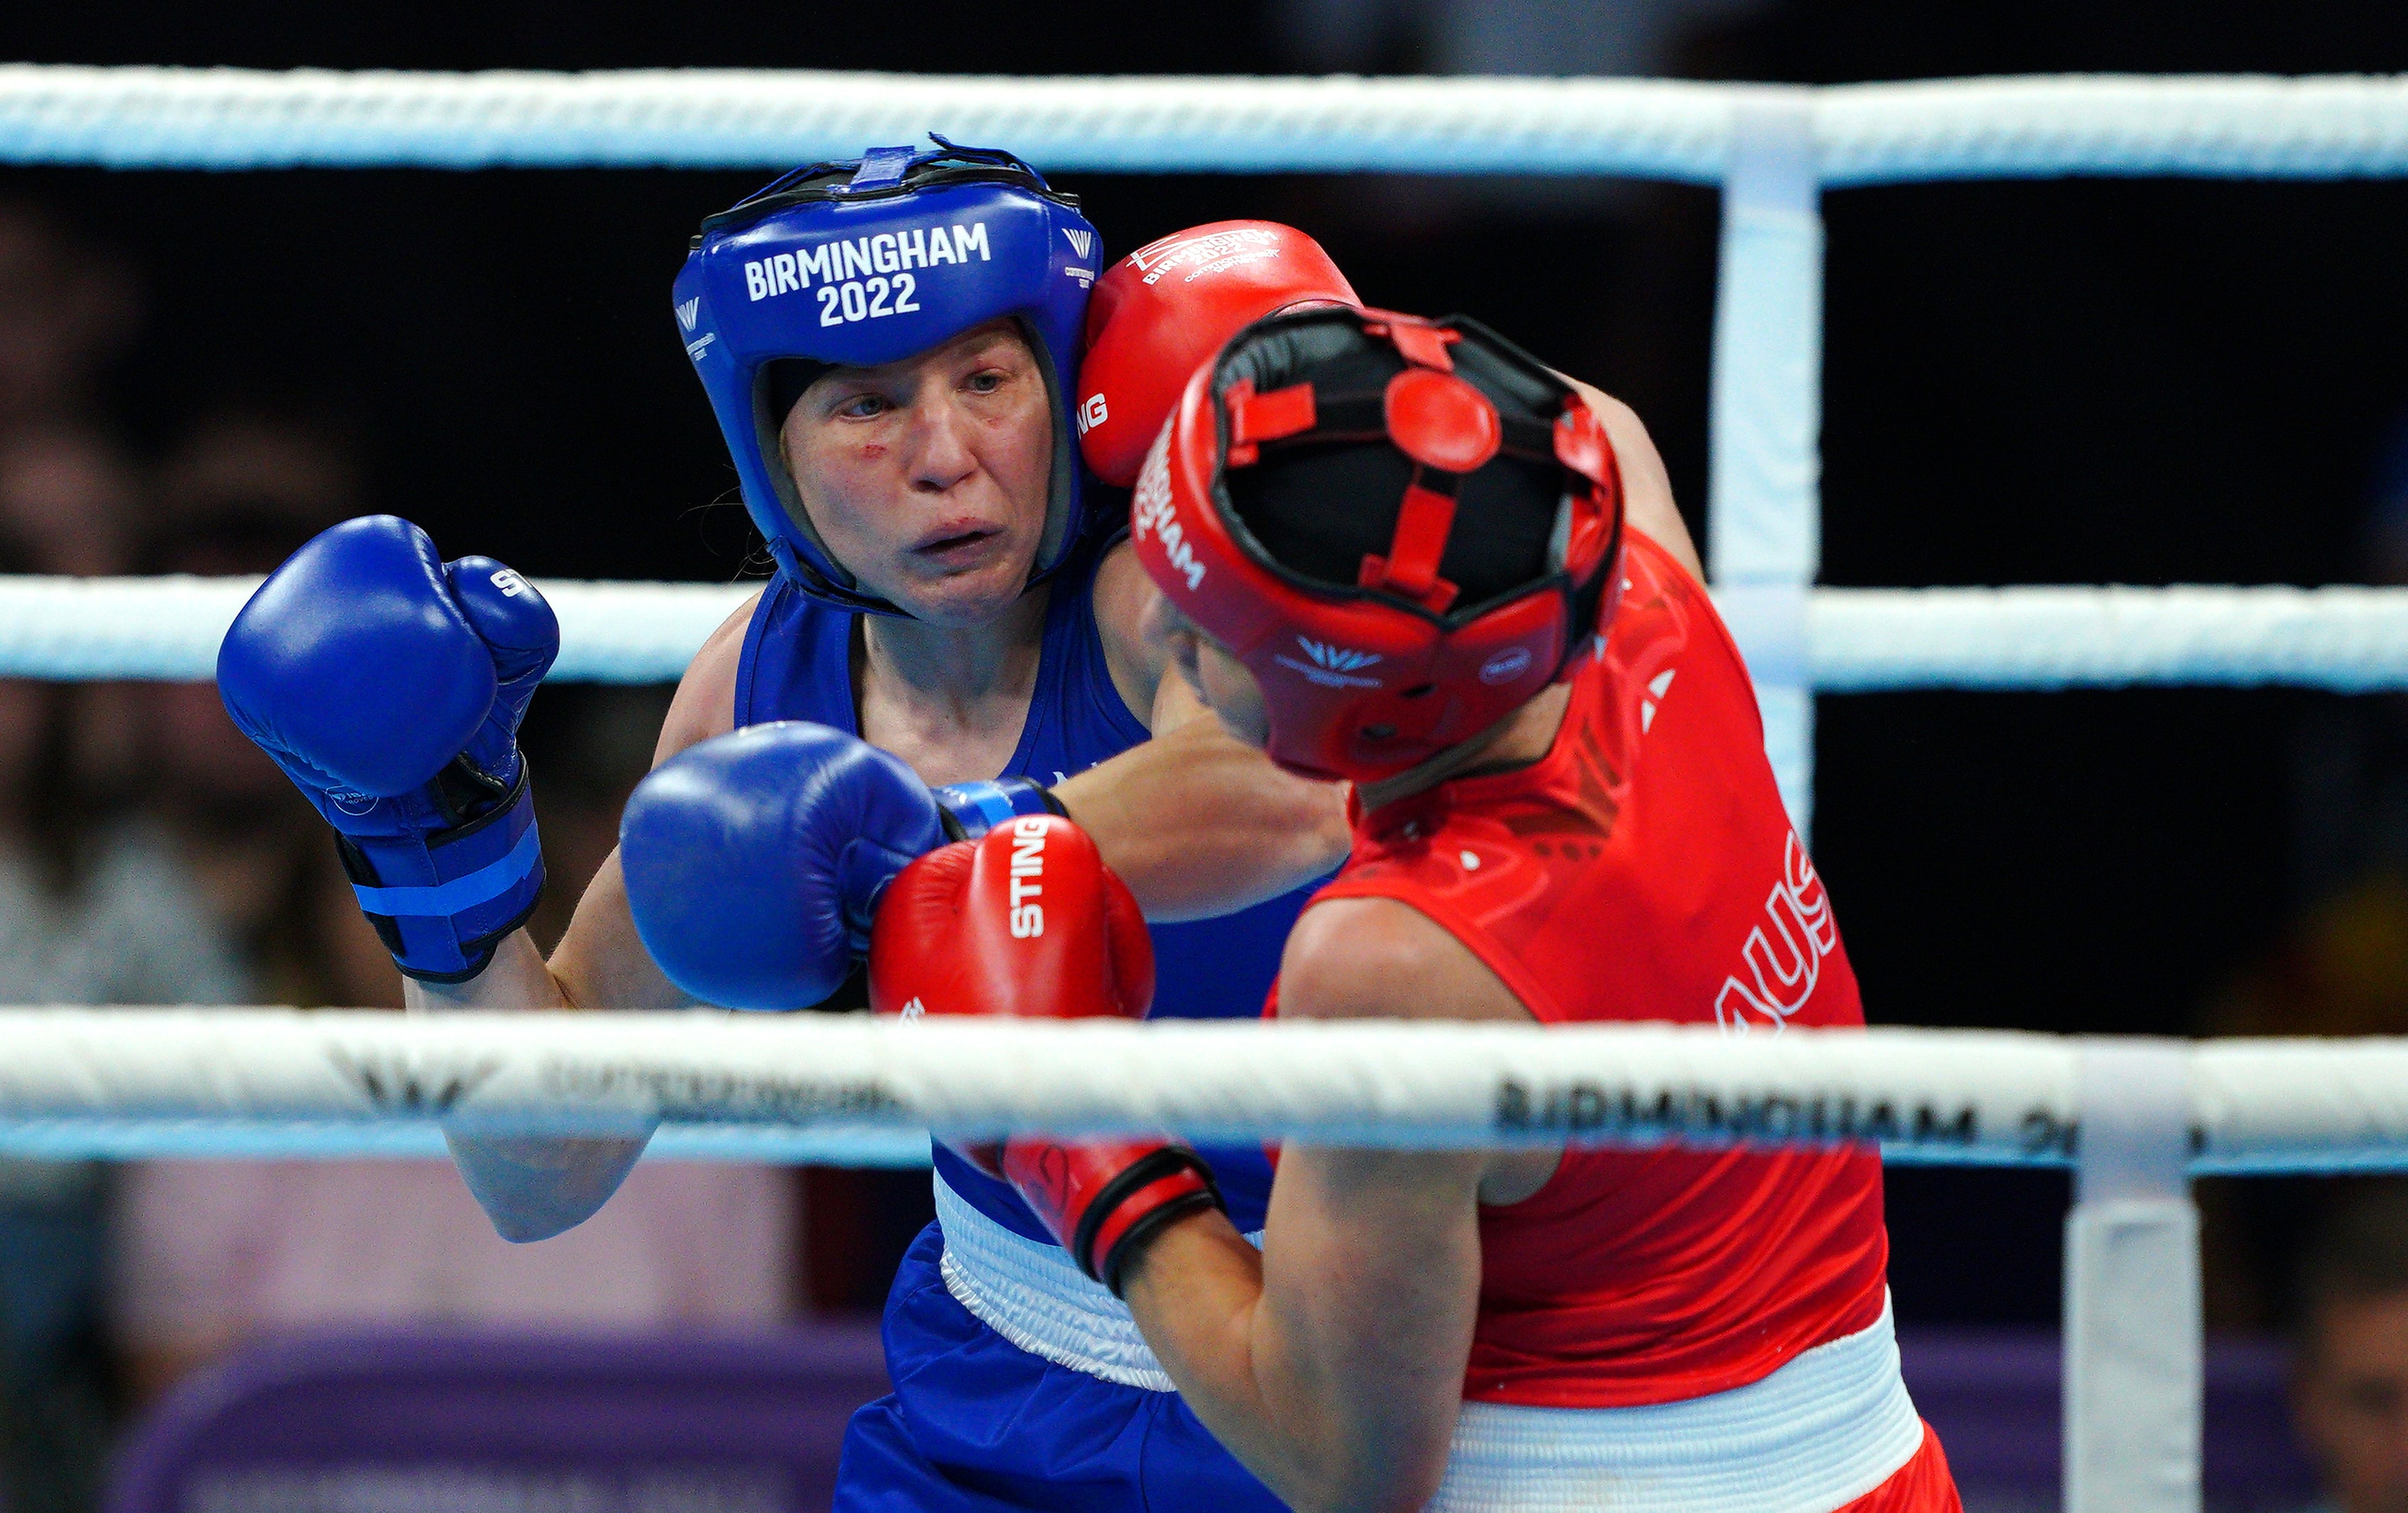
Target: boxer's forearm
(1198, 823)
(532, 1188)
(535, 1189)
(1196, 1294)
(601, 964)
(1331, 1364)
(516, 979)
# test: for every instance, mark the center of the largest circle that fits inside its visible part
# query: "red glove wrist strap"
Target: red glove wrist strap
(1165, 1185)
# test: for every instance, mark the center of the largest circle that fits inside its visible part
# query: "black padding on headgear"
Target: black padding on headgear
(786, 379)
(1319, 504)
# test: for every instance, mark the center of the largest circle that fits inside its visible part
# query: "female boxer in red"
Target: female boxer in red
(1396, 552)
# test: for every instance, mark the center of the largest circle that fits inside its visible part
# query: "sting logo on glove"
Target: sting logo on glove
(1027, 866)
(1026, 921)
(1029, 921)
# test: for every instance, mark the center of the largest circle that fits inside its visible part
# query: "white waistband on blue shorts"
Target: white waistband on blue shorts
(1829, 1426)
(1033, 1295)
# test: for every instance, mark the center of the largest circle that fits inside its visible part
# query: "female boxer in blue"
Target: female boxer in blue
(890, 346)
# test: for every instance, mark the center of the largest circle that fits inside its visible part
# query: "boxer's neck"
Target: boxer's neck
(949, 700)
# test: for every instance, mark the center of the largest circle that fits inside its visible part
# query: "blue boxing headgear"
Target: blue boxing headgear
(868, 261)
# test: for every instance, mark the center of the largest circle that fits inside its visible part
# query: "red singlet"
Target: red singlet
(1645, 869)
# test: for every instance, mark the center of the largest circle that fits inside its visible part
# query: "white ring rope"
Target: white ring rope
(1857, 640)
(2024, 127)
(2347, 640)
(1946, 1096)
(168, 628)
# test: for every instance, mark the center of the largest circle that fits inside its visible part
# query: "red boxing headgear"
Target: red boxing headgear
(1321, 479)
(1163, 310)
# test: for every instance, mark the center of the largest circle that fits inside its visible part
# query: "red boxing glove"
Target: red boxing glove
(1029, 921)
(1161, 311)
(1025, 919)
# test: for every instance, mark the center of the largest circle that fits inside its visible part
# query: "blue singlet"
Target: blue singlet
(975, 1422)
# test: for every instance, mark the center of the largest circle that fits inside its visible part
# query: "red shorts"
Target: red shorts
(1922, 1485)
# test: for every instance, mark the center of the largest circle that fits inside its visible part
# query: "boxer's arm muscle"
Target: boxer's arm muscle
(601, 963)
(1332, 1363)
(534, 1189)
(1196, 822)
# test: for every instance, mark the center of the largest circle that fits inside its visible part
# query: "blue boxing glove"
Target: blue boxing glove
(755, 862)
(389, 685)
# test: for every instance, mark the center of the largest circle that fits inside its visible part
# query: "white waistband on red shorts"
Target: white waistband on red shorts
(1833, 1425)
(1829, 1426)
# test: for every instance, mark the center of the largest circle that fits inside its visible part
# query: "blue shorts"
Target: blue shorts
(976, 1424)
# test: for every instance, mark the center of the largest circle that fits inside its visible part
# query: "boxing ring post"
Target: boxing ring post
(1764, 511)
(2134, 1364)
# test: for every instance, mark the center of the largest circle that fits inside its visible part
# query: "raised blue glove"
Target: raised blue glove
(755, 860)
(389, 685)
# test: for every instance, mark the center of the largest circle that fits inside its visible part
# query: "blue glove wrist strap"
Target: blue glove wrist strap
(490, 882)
(972, 809)
(441, 902)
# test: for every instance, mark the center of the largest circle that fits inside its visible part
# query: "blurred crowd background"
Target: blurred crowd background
(2083, 381)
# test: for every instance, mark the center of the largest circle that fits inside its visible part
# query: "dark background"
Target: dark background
(2081, 381)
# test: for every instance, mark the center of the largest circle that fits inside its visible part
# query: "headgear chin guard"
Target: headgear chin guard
(1406, 529)
(869, 261)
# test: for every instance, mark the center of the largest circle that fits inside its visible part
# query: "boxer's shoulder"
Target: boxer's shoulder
(1119, 594)
(1368, 956)
(1646, 486)
(705, 705)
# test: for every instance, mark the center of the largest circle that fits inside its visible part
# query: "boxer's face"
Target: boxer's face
(1225, 684)
(2350, 1399)
(927, 477)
